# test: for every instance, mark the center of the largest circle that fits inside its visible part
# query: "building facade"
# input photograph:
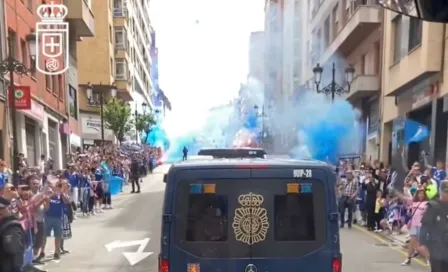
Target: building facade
(121, 49)
(256, 56)
(44, 129)
(348, 33)
(273, 85)
(413, 86)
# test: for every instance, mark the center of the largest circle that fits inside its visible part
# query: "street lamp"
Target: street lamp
(261, 114)
(333, 88)
(100, 100)
(136, 114)
(10, 66)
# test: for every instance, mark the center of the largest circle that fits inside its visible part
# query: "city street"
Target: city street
(99, 242)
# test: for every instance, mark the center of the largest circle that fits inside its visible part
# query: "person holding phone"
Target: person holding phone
(54, 209)
(12, 237)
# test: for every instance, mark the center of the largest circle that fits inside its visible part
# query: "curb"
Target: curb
(392, 239)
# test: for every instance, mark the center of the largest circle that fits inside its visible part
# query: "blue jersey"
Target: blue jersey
(438, 175)
(98, 174)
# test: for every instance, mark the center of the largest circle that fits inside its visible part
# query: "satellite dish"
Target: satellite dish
(426, 10)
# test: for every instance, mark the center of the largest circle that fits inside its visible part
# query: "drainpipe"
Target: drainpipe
(382, 97)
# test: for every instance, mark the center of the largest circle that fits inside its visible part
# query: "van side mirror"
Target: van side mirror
(164, 178)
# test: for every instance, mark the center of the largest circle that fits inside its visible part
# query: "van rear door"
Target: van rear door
(201, 229)
(298, 220)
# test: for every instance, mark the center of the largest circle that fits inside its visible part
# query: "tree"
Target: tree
(117, 117)
(142, 121)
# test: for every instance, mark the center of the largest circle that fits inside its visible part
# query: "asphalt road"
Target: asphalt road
(136, 217)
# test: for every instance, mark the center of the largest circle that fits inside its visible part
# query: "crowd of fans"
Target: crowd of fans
(372, 195)
(41, 201)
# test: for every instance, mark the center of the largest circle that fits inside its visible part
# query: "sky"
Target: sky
(203, 49)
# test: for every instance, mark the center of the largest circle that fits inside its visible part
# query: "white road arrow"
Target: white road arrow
(132, 257)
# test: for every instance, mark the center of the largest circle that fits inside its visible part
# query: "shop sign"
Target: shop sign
(423, 96)
(75, 140)
(36, 112)
(91, 126)
(64, 128)
(22, 97)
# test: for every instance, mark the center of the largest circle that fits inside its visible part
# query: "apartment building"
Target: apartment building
(292, 46)
(413, 86)
(256, 56)
(273, 85)
(45, 128)
(116, 58)
(81, 25)
(348, 32)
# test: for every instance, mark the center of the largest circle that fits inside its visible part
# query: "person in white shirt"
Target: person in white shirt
(42, 164)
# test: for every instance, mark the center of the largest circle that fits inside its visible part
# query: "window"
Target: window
(397, 24)
(120, 37)
(363, 65)
(327, 32)
(335, 21)
(120, 69)
(377, 49)
(54, 79)
(24, 51)
(207, 218)
(95, 100)
(73, 102)
(60, 87)
(48, 82)
(415, 33)
(111, 34)
(13, 42)
(112, 66)
(294, 217)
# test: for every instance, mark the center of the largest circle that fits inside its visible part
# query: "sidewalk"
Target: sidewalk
(91, 232)
(396, 238)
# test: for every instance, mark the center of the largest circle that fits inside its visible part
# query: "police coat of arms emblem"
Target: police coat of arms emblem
(250, 223)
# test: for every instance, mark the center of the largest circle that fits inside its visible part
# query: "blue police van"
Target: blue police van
(250, 215)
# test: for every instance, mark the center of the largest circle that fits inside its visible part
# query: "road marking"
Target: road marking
(398, 249)
(132, 257)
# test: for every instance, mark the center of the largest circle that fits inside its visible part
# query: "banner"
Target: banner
(415, 132)
(22, 97)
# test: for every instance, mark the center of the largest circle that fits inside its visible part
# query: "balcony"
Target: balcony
(121, 52)
(363, 86)
(364, 20)
(81, 17)
(124, 88)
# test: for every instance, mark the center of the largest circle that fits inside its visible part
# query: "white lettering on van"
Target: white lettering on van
(302, 173)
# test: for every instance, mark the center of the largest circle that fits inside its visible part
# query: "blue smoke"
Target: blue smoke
(251, 122)
(189, 141)
(325, 136)
(327, 130)
(156, 136)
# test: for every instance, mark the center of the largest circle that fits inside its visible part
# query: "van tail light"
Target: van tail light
(164, 265)
(337, 264)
